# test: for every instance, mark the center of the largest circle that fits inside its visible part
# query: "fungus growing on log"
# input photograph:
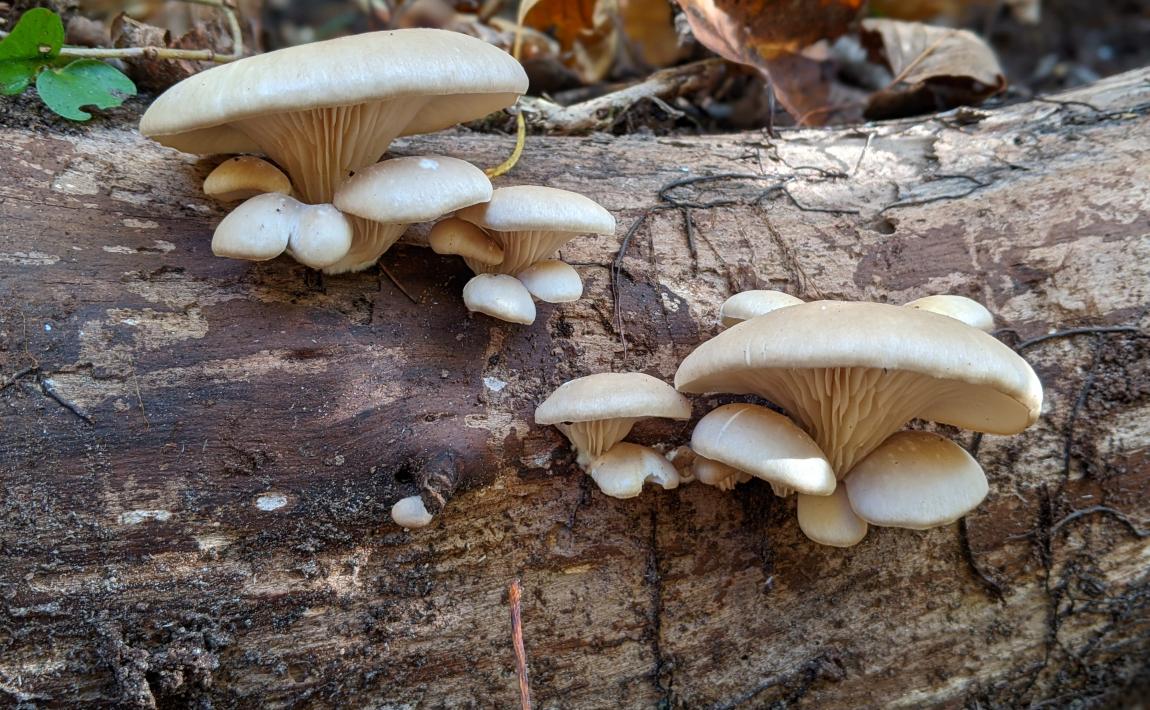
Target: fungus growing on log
(266, 225)
(852, 374)
(961, 308)
(748, 304)
(623, 469)
(243, 177)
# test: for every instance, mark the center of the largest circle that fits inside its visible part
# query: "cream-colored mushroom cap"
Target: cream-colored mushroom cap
(766, 445)
(623, 469)
(499, 296)
(916, 480)
(962, 308)
(410, 512)
(531, 222)
(455, 236)
(829, 520)
(320, 237)
(245, 176)
(258, 229)
(717, 474)
(748, 304)
(852, 374)
(383, 199)
(597, 411)
(324, 109)
(552, 281)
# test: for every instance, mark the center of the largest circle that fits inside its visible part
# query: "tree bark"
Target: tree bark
(198, 455)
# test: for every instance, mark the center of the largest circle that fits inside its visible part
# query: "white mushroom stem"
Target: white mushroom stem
(369, 241)
(521, 249)
(592, 439)
(410, 512)
(346, 138)
(829, 520)
(622, 470)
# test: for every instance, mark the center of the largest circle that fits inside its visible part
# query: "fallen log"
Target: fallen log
(197, 455)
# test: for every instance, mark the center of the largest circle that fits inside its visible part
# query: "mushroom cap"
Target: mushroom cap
(245, 176)
(258, 229)
(536, 208)
(553, 281)
(456, 236)
(410, 512)
(612, 395)
(412, 189)
(717, 474)
(321, 236)
(829, 520)
(766, 445)
(962, 308)
(462, 78)
(748, 304)
(916, 480)
(625, 467)
(500, 296)
(978, 383)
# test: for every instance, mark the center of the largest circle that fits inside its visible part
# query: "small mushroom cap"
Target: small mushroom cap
(258, 229)
(453, 76)
(536, 208)
(961, 308)
(321, 237)
(717, 474)
(412, 189)
(766, 445)
(456, 236)
(916, 480)
(612, 395)
(553, 281)
(829, 520)
(748, 304)
(500, 296)
(410, 512)
(625, 467)
(979, 383)
(245, 176)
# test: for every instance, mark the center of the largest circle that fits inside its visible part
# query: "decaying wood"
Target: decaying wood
(197, 455)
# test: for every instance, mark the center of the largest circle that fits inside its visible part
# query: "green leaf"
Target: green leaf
(84, 82)
(16, 75)
(38, 35)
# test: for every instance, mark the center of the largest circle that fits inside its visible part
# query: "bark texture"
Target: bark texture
(197, 455)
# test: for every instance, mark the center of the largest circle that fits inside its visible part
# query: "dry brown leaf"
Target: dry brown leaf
(935, 68)
(585, 30)
(649, 30)
(769, 35)
(954, 12)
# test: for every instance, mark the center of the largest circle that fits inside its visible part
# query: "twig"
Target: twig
(862, 154)
(1106, 510)
(201, 55)
(1079, 401)
(397, 284)
(1070, 332)
(520, 139)
(691, 248)
(513, 596)
(978, 185)
(19, 373)
(992, 587)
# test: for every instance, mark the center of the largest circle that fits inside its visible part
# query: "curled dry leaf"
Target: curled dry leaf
(935, 68)
(649, 31)
(584, 29)
(770, 36)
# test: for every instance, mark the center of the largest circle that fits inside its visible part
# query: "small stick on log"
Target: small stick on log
(514, 594)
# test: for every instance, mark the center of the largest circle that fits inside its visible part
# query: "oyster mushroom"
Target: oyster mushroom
(243, 177)
(621, 471)
(748, 304)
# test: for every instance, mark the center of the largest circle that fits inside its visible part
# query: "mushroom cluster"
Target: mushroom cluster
(597, 412)
(850, 376)
(326, 113)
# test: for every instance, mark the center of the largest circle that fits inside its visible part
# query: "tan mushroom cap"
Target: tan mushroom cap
(327, 108)
(622, 470)
(829, 520)
(383, 199)
(499, 296)
(749, 304)
(597, 411)
(717, 474)
(916, 480)
(852, 374)
(962, 308)
(766, 445)
(455, 236)
(532, 222)
(243, 177)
